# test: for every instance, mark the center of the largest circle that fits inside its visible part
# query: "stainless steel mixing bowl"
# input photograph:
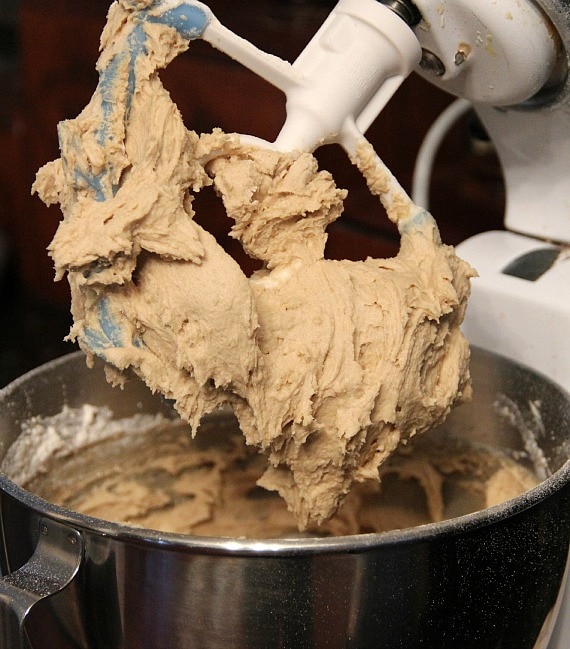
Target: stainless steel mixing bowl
(489, 579)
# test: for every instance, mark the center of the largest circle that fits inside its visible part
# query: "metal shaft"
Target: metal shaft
(406, 9)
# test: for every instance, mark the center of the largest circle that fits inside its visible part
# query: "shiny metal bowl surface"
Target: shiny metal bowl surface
(488, 579)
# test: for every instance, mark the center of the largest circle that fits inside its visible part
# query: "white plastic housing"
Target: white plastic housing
(494, 52)
(501, 54)
(534, 149)
(527, 321)
(343, 78)
(350, 70)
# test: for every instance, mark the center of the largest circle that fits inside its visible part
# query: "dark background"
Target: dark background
(48, 50)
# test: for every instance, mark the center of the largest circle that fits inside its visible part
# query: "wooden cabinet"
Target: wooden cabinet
(59, 46)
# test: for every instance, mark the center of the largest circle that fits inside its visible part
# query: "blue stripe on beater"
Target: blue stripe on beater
(190, 21)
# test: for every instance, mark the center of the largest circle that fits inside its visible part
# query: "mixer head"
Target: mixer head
(510, 58)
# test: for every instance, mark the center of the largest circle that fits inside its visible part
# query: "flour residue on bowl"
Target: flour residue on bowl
(530, 428)
(149, 471)
(45, 440)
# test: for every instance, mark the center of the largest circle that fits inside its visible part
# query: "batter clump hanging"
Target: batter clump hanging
(328, 365)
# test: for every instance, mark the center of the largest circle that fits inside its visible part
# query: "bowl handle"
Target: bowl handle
(51, 568)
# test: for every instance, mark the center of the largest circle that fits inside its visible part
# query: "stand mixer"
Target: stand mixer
(509, 59)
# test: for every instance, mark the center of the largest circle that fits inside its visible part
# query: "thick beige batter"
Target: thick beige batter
(148, 471)
(328, 365)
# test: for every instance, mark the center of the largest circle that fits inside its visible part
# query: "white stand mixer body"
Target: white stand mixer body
(517, 309)
(510, 59)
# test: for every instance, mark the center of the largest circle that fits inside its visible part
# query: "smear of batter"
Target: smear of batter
(328, 365)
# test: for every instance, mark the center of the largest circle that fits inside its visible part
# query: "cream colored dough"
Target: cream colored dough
(328, 365)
